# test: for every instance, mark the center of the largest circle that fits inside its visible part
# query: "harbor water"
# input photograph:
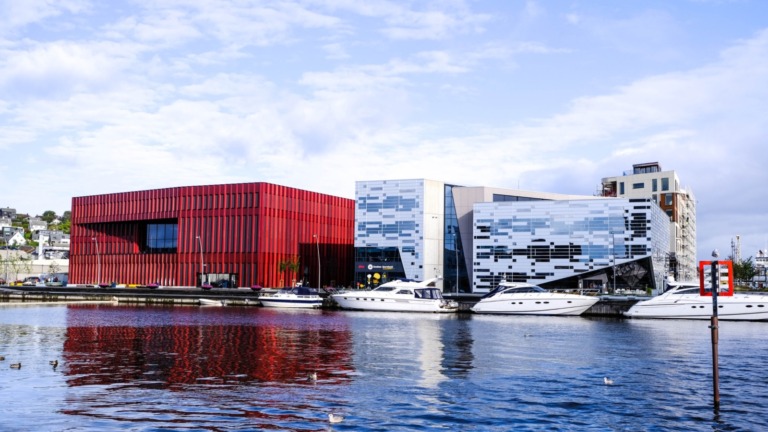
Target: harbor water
(151, 368)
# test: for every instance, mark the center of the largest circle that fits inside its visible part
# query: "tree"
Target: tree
(18, 265)
(48, 216)
(66, 216)
(289, 266)
(65, 226)
(744, 271)
(53, 267)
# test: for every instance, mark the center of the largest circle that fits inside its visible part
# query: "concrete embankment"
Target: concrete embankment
(608, 306)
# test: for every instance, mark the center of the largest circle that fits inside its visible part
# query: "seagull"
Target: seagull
(607, 381)
(312, 376)
(335, 418)
(16, 365)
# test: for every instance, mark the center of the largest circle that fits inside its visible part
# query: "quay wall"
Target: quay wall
(608, 306)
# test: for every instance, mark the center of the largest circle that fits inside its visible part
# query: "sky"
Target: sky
(102, 97)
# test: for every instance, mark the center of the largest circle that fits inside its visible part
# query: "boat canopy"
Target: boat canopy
(515, 289)
(304, 291)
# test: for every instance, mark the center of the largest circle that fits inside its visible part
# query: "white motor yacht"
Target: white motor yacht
(682, 300)
(295, 297)
(398, 296)
(526, 299)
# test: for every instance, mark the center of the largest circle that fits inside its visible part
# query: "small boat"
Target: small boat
(210, 302)
(526, 299)
(683, 300)
(398, 296)
(295, 297)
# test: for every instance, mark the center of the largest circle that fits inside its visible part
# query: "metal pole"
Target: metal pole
(613, 254)
(457, 269)
(317, 242)
(202, 264)
(98, 261)
(715, 336)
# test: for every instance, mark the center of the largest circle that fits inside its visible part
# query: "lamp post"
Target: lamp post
(202, 264)
(98, 261)
(317, 242)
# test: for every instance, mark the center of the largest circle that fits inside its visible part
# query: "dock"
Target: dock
(608, 306)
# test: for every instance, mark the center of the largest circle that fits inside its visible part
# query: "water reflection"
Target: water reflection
(193, 345)
(189, 368)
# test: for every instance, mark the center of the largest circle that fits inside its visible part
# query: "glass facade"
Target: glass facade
(389, 231)
(567, 244)
(162, 237)
(455, 276)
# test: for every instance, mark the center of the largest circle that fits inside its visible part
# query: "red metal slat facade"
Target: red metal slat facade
(246, 229)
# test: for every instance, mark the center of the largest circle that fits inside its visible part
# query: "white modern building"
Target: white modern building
(610, 245)
(420, 229)
(648, 180)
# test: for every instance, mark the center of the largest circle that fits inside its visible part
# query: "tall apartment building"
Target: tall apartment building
(648, 180)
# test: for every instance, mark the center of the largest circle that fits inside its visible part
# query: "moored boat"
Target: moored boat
(211, 302)
(295, 297)
(526, 299)
(683, 300)
(398, 296)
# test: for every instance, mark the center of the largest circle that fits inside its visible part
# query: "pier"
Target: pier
(608, 306)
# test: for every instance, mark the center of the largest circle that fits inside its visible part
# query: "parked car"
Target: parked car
(31, 281)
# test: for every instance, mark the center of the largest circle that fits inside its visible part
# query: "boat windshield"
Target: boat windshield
(686, 291)
(428, 293)
(506, 289)
(302, 291)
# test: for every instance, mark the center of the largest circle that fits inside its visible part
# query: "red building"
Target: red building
(226, 235)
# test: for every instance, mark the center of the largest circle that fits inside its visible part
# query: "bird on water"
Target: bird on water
(54, 363)
(607, 381)
(312, 376)
(16, 365)
(335, 418)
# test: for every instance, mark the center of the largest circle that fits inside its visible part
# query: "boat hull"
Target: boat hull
(536, 304)
(361, 301)
(694, 307)
(210, 302)
(291, 303)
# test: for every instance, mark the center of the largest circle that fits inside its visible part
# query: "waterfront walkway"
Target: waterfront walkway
(608, 306)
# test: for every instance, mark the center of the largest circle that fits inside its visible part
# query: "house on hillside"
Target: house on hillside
(17, 239)
(8, 212)
(51, 236)
(36, 224)
(5, 222)
(8, 232)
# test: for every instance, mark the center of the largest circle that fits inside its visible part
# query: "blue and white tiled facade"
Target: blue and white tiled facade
(544, 242)
(398, 230)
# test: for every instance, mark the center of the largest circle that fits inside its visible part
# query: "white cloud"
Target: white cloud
(335, 51)
(18, 14)
(185, 92)
(59, 68)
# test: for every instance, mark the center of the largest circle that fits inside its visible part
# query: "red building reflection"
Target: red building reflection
(184, 353)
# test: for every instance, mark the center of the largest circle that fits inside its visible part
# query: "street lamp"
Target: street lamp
(98, 261)
(317, 242)
(202, 264)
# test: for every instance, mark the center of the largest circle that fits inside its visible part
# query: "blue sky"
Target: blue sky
(102, 97)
